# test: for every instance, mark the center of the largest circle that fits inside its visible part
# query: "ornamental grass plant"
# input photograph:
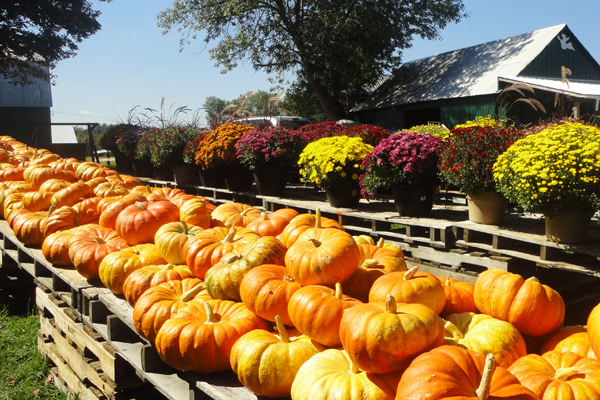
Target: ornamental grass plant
(557, 169)
(333, 160)
(404, 158)
(468, 156)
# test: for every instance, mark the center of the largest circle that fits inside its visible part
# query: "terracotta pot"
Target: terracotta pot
(486, 208)
(413, 200)
(568, 227)
(344, 194)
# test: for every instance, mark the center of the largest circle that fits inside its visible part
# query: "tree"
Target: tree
(337, 45)
(36, 35)
(213, 106)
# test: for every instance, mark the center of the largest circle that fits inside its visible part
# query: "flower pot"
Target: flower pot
(185, 174)
(123, 163)
(486, 208)
(344, 194)
(568, 227)
(238, 178)
(143, 168)
(271, 181)
(163, 173)
(413, 201)
(213, 177)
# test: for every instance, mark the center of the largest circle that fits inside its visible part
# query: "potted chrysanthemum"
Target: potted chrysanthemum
(334, 164)
(407, 163)
(555, 172)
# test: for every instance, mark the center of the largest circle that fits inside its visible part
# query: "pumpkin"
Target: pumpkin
(302, 222)
(267, 363)
(322, 257)
(316, 311)
(174, 195)
(109, 189)
(88, 170)
(459, 296)
(26, 226)
(39, 175)
(170, 239)
(235, 214)
(205, 249)
(157, 303)
(194, 211)
(266, 290)
(593, 328)
(574, 339)
(274, 223)
(533, 308)
(53, 185)
(88, 247)
(11, 174)
(36, 201)
(485, 334)
(71, 195)
(384, 337)
(224, 278)
(67, 217)
(55, 246)
(124, 180)
(557, 375)
(412, 286)
(138, 222)
(95, 182)
(199, 337)
(109, 215)
(331, 374)
(12, 202)
(373, 261)
(363, 239)
(149, 276)
(452, 372)
(118, 265)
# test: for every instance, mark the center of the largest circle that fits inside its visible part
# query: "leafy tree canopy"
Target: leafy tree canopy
(36, 35)
(338, 45)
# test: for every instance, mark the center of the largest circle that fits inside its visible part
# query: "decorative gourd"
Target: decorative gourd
(322, 257)
(533, 308)
(331, 374)
(412, 286)
(557, 375)
(452, 372)
(485, 334)
(593, 328)
(274, 223)
(385, 337)
(108, 217)
(205, 249)
(459, 296)
(224, 278)
(55, 246)
(302, 222)
(156, 304)
(267, 363)
(138, 222)
(195, 211)
(316, 311)
(171, 237)
(266, 290)
(71, 195)
(199, 337)
(88, 247)
(373, 261)
(118, 265)
(235, 214)
(149, 276)
(574, 339)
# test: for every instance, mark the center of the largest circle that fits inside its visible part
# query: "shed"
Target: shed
(455, 86)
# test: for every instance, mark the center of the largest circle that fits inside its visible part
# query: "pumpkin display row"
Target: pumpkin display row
(292, 303)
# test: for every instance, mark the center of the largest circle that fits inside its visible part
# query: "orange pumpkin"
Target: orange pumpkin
(36, 201)
(574, 339)
(274, 223)
(72, 194)
(593, 327)
(322, 257)
(171, 238)
(55, 246)
(383, 337)
(199, 337)
(138, 222)
(235, 214)
(12, 174)
(26, 226)
(41, 174)
(533, 308)
(108, 216)
(67, 217)
(125, 180)
(459, 296)
(557, 375)
(174, 195)
(412, 286)
(149, 276)
(195, 211)
(316, 311)
(302, 222)
(53, 185)
(454, 372)
(109, 189)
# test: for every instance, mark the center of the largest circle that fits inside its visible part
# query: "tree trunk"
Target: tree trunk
(328, 107)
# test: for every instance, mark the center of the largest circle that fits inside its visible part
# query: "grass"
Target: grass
(24, 373)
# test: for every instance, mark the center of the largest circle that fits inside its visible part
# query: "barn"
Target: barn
(453, 87)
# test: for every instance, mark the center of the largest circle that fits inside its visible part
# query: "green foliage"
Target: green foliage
(166, 146)
(36, 35)
(339, 46)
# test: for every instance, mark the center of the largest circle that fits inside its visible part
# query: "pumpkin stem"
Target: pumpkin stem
(318, 218)
(390, 304)
(263, 216)
(210, 315)
(190, 294)
(338, 291)
(230, 236)
(283, 334)
(168, 267)
(288, 278)
(410, 273)
(381, 243)
(246, 211)
(448, 281)
(315, 242)
(354, 367)
(99, 240)
(483, 391)
(370, 263)
(140, 205)
(563, 374)
(533, 278)
(454, 331)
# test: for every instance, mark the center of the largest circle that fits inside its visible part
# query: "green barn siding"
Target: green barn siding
(459, 114)
(18, 122)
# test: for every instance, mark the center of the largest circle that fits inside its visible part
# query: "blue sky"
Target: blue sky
(130, 63)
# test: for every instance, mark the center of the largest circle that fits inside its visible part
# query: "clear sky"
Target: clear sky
(130, 63)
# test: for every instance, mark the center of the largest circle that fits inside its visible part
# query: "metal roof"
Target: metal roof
(63, 134)
(471, 71)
